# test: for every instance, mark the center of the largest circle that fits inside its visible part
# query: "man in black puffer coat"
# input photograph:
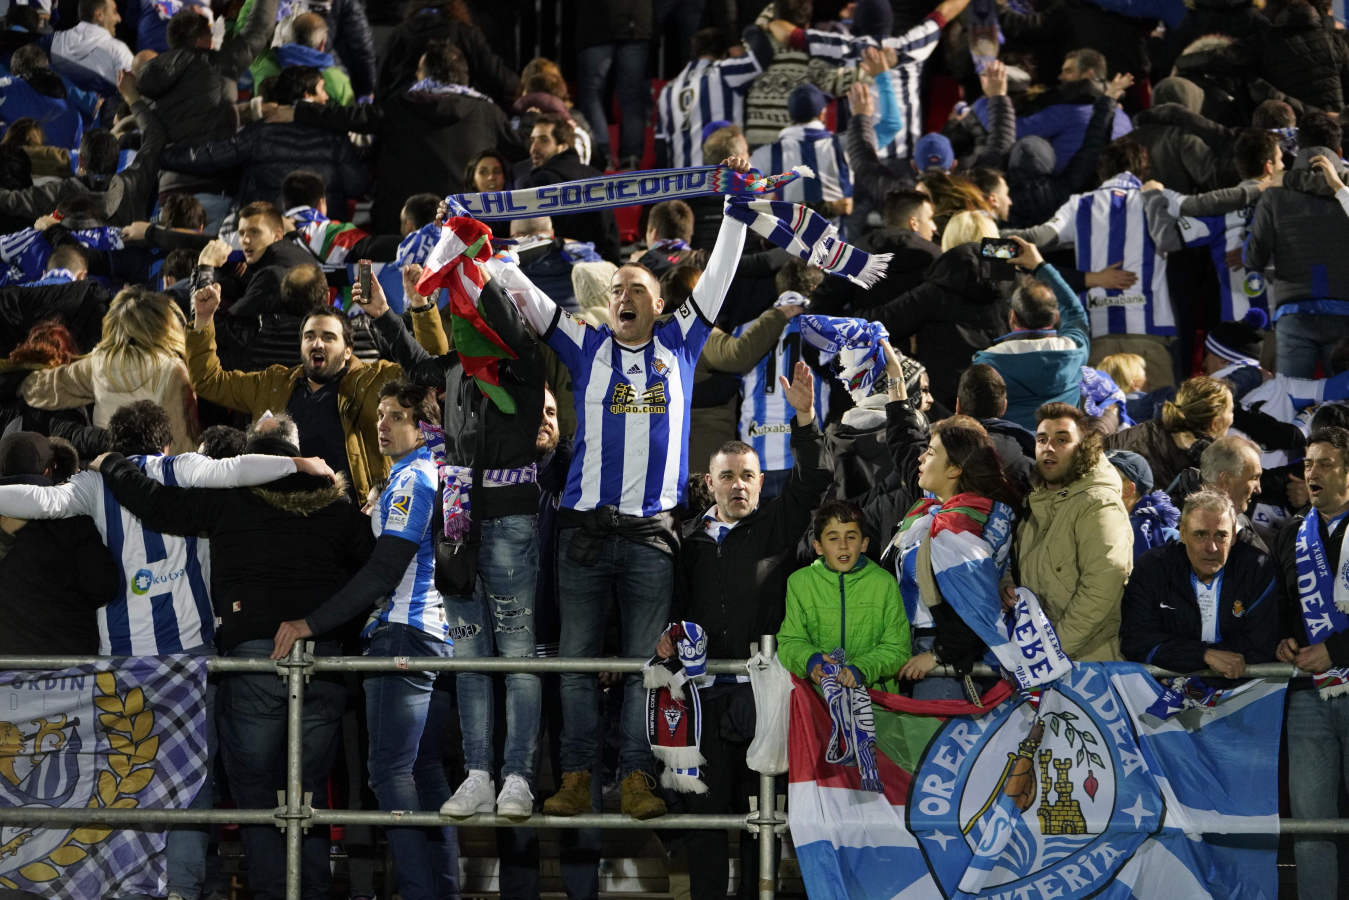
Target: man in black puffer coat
(1300, 53)
(193, 88)
(266, 153)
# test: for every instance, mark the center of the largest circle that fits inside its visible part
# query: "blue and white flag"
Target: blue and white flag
(127, 733)
(1081, 796)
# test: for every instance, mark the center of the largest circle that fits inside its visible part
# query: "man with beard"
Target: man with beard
(332, 396)
(1075, 546)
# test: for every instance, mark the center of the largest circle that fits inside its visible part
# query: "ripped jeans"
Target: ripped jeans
(498, 620)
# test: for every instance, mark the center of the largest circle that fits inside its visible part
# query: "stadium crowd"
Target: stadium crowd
(1113, 313)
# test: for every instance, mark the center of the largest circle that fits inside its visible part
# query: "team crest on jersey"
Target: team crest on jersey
(1254, 285)
(625, 400)
(1035, 802)
(661, 368)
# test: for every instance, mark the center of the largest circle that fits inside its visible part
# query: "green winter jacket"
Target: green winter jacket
(821, 603)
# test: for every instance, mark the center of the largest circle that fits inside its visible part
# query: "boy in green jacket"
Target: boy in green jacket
(844, 600)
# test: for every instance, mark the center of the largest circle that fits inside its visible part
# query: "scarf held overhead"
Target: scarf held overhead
(625, 189)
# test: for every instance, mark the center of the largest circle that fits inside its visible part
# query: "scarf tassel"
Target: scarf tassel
(683, 783)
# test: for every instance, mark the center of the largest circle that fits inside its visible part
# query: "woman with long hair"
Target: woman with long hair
(489, 171)
(141, 357)
(1201, 412)
(971, 496)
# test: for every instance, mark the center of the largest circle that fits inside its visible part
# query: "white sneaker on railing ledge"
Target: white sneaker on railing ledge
(473, 796)
(516, 800)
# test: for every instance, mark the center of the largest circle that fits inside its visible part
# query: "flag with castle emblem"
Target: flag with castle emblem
(127, 733)
(1078, 792)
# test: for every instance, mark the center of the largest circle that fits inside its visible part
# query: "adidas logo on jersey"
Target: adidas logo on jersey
(635, 370)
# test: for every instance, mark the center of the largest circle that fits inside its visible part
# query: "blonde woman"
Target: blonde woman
(141, 357)
(967, 228)
(1201, 412)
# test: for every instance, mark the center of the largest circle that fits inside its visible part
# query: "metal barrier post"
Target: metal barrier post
(294, 669)
(767, 808)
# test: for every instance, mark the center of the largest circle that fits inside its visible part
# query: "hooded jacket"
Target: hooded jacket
(1074, 549)
(90, 56)
(423, 142)
(1162, 625)
(957, 311)
(1180, 160)
(859, 611)
(1301, 229)
(278, 551)
(1042, 366)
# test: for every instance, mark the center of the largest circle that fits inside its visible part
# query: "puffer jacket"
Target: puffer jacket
(194, 90)
(1301, 54)
(859, 611)
(266, 153)
(1300, 228)
(1075, 551)
(957, 311)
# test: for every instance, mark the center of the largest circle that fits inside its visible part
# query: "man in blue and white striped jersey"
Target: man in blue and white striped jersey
(163, 602)
(711, 88)
(808, 142)
(632, 387)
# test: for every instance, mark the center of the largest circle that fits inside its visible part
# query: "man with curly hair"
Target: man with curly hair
(1075, 546)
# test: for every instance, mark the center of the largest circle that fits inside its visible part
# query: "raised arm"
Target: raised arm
(77, 497)
(739, 354)
(250, 39)
(171, 510)
(234, 390)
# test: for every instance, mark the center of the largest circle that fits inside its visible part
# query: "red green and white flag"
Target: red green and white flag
(453, 264)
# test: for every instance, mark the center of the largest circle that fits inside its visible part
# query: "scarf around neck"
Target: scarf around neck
(1323, 596)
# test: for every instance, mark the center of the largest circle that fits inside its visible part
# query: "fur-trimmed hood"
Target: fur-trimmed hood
(303, 495)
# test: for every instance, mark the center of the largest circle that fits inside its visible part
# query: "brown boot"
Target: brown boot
(574, 797)
(637, 799)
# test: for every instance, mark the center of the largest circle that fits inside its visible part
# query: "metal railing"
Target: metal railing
(296, 814)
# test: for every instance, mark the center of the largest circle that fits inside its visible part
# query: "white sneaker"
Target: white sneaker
(516, 800)
(473, 796)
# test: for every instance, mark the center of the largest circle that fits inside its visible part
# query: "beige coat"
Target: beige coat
(1075, 551)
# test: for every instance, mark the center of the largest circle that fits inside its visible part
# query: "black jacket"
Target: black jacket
(1036, 192)
(194, 90)
(737, 589)
(487, 72)
(957, 311)
(79, 305)
(599, 226)
(911, 256)
(1016, 449)
(53, 577)
(1285, 557)
(1161, 624)
(423, 142)
(1299, 53)
(277, 551)
(72, 424)
(266, 153)
(470, 420)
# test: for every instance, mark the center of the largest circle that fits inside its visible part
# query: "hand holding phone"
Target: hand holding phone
(363, 280)
(999, 248)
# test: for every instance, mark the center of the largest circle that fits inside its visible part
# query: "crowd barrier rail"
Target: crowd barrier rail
(294, 814)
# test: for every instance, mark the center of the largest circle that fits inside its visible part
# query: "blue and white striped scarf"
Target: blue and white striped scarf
(853, 740)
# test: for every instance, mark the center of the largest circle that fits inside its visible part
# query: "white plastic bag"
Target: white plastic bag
(772, 686)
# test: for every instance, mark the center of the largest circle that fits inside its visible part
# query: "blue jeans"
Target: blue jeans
(252, 723)
(1301, 341)
(500, 615)
(407, 720)
(934, 688)
(628, 61)
(1318, 768)
(641, 577)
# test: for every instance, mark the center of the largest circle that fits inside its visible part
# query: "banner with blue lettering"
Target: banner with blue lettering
(1085, 793)
(123, 734)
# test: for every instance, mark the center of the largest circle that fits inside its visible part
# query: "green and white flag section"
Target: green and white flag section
(1081, 795)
